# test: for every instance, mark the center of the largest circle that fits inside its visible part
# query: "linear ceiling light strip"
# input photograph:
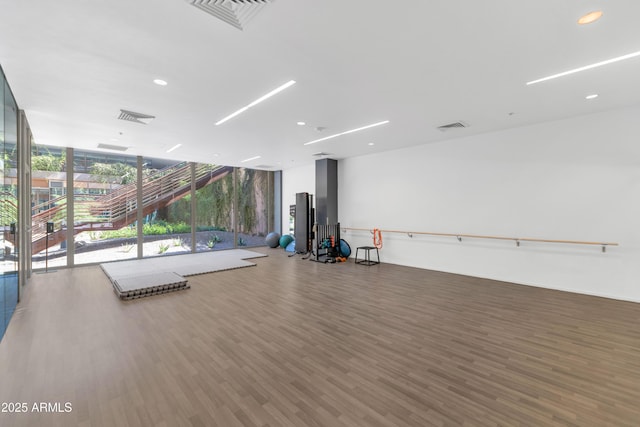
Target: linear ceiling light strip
(346, 132)
(257, 101)
(586, 67)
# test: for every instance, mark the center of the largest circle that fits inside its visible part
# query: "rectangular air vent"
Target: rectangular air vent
(263, 167)
(450, 126)
(112, 147)
(321, 154)
(132, 116)
(237, 13)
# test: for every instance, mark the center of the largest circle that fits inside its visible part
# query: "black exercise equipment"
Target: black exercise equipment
(303, 223)
(327, 243)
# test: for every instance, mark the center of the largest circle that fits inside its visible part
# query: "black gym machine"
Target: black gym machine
(317, 242)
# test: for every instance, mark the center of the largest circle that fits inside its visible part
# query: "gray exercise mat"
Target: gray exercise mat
(152, 276)
(148, 284)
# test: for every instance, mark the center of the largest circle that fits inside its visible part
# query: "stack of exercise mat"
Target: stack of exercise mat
(154, 276)
(147, 285)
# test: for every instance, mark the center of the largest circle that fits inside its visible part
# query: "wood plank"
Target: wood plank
(297, 343)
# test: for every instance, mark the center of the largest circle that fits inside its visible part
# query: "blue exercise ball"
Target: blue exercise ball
(291, 247)
(273, 239)
(345, 249)
(285, 240)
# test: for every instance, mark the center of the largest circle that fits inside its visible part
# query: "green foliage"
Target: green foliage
(48, 162)
(209, 228)
(117, 234)
(177, 242)
(252, 196)
(246, 200)
(106, 172)
(8, 208)
(213, 239)
(127, 247)
(180, 228)
(154, 230)
(163, 248)
(159, 228)
(216, 204)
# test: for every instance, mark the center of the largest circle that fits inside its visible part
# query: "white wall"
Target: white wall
(296, 180)
(575, 179)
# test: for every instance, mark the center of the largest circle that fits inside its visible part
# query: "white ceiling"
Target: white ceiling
(74, 64)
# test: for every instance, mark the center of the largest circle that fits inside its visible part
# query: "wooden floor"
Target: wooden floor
(296, 343)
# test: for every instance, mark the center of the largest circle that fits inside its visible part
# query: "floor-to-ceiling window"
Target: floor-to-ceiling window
(184, 207)
(166, 194)
(105, 206)
(48, 205)
(215, 210)
(8, 205)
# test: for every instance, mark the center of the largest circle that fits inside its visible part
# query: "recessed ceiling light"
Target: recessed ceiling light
(590, 17)
(160, 82)
(112, 147)
(301, 123)
(249, 159)
(586, 67)
(346, 132)
(257, 101)
(595, 95)
(175, 147)
(372, 143)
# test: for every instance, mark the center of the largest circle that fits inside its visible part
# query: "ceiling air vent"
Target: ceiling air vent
(263, 167)
(321, 154)
(450, 126)
(132, 116)
(237, 13)
(112, 147)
